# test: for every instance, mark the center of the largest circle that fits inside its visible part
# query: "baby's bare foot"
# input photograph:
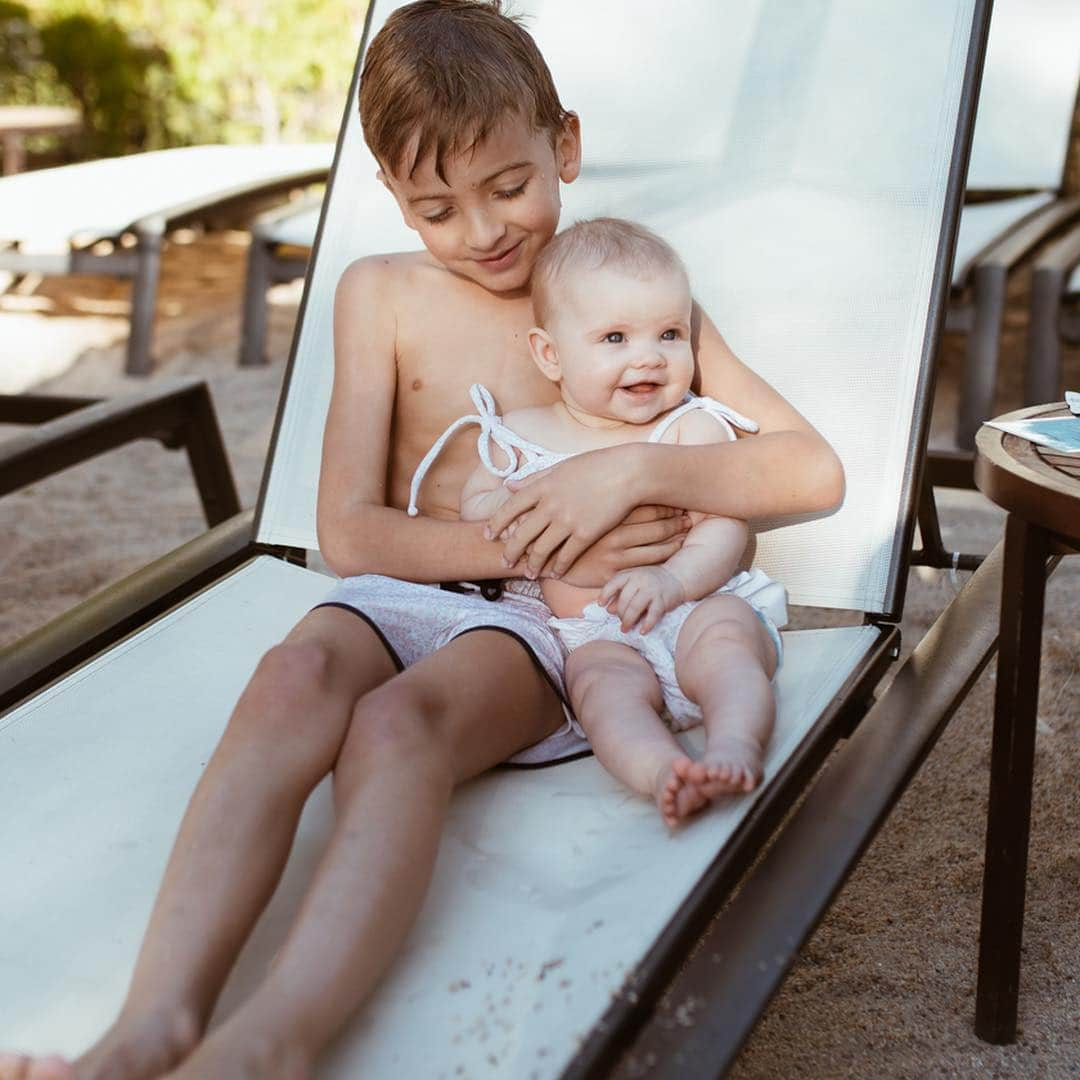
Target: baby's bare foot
(733, 766)
(678, 790)
(134, 1048)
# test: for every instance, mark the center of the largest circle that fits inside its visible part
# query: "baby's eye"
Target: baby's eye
(513, 193)
(439, 218)
(615, 337)
(670, 335)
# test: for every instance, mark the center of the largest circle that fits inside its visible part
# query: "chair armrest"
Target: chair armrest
(1031, 232)
(52, 650)
(178, 415)
(1061, 257)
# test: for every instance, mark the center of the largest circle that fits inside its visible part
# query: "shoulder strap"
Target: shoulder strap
(492, 430)
(728, 417)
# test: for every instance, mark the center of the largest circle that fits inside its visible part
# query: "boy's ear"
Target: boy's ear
(544, 353)
(568, 149)
(406, 213)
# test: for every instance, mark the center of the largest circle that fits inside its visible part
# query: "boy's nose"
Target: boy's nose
(483, 233)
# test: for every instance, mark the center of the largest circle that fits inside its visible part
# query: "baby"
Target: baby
(695, 636)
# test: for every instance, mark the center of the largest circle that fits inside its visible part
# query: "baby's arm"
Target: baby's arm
(787, 468)
(710, 556)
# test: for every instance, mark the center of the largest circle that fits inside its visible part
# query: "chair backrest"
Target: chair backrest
(800, 155)
(1029, 89)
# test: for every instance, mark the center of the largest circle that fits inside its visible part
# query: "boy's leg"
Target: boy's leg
(617, 699)
(724, 661)
(284, 735)
(409, 743)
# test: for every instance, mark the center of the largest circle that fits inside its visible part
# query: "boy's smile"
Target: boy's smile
(498, 205)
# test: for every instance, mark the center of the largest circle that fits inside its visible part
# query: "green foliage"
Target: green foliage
(121, 84)
(150, 73)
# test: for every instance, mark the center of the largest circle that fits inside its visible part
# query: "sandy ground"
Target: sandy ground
(886, 985)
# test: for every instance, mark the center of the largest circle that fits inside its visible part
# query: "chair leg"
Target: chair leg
(1043, 374)
(253, 331)
(150, 233)
(1012, 761)
(980, 363)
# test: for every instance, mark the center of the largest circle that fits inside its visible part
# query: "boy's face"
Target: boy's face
(499, 204)
(618, 345)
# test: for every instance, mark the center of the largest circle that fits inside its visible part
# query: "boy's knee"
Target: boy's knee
(295, 668)
(395, 721)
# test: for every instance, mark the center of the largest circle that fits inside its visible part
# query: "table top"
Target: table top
(38, 119)
(1033, 482)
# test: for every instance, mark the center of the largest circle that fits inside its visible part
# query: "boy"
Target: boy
(695, 635)
(459, 109)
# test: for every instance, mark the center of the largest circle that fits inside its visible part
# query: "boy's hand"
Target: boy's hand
(565, 509)
(649, 535)
(642, 597)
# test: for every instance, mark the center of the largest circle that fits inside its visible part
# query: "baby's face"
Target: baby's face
(623, 343)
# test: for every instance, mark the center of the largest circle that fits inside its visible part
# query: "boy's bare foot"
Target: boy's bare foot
(678, 790)
(733, 766)
(134, 1048)
(22, 1067)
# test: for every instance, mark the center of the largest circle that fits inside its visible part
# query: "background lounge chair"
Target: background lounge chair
(560, 904)
(53, 221)
(1016, 197)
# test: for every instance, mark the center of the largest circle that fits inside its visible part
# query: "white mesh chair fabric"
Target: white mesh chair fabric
(981, 224)
(550, 884)
(757, 146)
(49, 209)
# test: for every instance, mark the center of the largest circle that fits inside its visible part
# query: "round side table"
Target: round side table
(1040, 490)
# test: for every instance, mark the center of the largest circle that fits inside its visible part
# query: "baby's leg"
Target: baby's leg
(283, 736)
(724, 661)
(617, 699)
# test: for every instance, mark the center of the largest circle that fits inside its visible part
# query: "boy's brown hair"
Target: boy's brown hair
(447, 72)
(595, 243)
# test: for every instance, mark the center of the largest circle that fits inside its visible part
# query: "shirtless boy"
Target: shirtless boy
(473, 159)
(696, 635)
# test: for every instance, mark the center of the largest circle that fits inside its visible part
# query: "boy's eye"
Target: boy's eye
(615, 337)
(439, 218)
(513, 193)
(670, 335)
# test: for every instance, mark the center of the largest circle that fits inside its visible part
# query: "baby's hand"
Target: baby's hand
(642, 597)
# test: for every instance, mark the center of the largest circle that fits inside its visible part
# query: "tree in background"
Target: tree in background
(153, 73)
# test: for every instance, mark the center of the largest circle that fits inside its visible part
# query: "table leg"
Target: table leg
(1023, 590)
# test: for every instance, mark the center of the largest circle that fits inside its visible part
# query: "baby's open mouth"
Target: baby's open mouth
(641, 388)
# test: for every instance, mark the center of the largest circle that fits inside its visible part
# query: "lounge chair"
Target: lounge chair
(54, 221)
(1016, 198)
(1055, 316)
(560, 904)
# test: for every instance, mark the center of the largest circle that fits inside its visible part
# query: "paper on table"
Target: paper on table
(1061, 433)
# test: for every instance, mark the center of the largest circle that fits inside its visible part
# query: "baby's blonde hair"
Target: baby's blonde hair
(595, 243)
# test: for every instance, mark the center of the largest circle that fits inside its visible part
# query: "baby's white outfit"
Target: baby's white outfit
(766, 597)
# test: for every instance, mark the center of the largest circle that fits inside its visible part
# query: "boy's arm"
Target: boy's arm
(787, 468)
(358, 532)
(482, 495)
